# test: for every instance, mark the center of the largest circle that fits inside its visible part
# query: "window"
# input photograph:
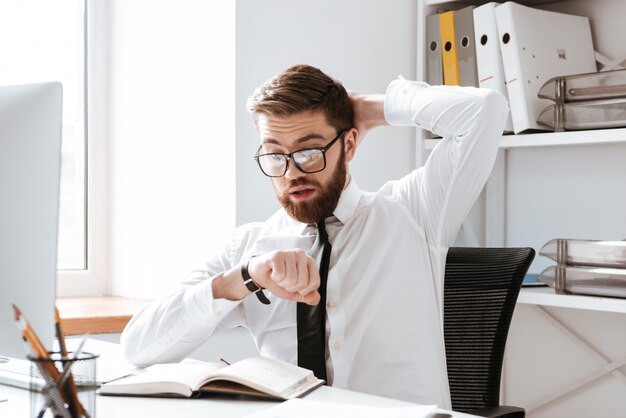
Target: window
(43, 40)
(143, 107)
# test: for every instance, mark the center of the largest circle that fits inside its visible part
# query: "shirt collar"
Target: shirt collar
(348, 202)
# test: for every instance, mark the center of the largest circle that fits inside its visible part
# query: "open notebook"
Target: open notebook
(254, 376)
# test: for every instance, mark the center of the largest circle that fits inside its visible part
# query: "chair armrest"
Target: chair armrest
(502, 411)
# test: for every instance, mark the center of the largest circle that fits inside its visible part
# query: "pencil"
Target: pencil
(35, 348)
(28, 334)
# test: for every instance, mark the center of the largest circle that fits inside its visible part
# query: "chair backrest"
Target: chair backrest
(480, 291)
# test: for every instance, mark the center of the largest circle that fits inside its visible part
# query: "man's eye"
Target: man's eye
(308, 155)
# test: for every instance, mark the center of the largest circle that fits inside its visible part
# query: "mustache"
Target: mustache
(302, 182)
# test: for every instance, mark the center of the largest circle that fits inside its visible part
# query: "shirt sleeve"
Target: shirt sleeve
(171, 329)
(470, 121)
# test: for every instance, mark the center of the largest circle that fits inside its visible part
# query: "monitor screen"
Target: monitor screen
(30, 153)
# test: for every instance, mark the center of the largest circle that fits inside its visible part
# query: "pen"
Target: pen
(59, 332)
(71, 393)
(71, 360)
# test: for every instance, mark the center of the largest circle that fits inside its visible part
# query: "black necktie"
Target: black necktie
(312, 319)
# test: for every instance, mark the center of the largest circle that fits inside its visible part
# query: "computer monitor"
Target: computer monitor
(30, 154)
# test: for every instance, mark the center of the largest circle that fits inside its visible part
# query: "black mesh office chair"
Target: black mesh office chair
(480, 292)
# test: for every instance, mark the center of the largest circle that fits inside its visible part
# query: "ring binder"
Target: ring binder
(538, 45)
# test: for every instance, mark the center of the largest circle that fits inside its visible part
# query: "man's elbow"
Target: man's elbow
(131, 349)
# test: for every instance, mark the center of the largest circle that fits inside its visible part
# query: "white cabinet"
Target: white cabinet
(565, 354)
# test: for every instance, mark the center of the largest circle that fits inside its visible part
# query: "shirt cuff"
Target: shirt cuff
(399, 99)
(202, 307)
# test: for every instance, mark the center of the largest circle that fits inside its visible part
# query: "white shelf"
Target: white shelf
(545, 296)
(551, 139)
(448, 2)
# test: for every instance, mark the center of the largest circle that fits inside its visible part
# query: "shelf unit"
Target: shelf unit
(545, 296)
(495, 197)
(588, 137)
(550, 184)
(552, 139)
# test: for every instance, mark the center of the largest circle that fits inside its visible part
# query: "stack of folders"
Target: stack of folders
(510, 48)
(586, 267)
(451, 48)
(585, 101)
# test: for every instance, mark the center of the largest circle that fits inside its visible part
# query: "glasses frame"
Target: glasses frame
(289, 156)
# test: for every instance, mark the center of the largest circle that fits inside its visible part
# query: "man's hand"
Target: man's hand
(368, 112)
(289, 274)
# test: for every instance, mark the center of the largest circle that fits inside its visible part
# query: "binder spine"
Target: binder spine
(465, 46)
(489, 68)
(434, 75)
(449, 57)
(512, 67)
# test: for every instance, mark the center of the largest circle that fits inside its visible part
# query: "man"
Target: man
(384, 288)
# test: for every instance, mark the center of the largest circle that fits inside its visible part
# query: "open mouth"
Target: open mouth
(302, 194)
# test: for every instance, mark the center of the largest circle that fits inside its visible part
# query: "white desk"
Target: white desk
(18, 403)
(132, 407)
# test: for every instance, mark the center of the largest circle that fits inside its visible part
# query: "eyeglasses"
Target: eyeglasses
(308, 160)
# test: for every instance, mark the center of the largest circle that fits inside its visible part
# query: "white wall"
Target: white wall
(565, 192)
(169, 60)
(171, 139)
(363, 43)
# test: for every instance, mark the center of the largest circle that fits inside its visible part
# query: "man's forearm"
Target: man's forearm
(449, 111)
(229, 285)
(170, 329)
(368, 112)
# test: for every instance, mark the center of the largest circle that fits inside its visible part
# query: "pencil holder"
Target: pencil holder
(63, 386)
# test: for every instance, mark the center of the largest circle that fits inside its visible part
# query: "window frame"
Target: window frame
(94, 279)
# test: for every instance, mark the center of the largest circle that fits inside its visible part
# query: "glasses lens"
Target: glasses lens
(273, 164)
(309, 160)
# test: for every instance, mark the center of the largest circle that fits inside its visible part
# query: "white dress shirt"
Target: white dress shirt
(385, 284)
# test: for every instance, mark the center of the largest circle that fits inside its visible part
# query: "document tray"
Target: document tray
(585, 87)
(599, 114)
(587, 280)
(590, 253)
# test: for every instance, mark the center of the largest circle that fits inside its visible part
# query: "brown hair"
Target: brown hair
(303, 88)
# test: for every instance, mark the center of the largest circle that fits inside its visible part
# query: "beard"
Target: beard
(323, 205)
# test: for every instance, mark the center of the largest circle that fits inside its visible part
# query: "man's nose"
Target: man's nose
(292, 171)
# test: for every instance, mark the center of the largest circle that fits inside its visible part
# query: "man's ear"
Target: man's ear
(350, 140)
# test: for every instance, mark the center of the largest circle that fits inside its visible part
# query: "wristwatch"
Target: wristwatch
(251, 285)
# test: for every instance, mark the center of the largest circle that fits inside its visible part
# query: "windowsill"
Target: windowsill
(97, 315)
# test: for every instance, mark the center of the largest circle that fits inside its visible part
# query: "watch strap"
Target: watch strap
(251, 285)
